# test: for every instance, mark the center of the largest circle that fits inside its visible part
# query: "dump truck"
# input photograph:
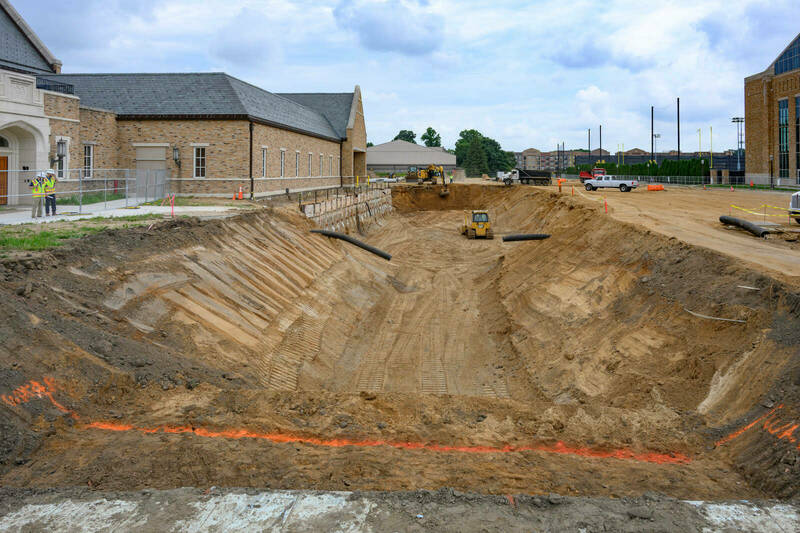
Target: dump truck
(477, 225)
(528, 177)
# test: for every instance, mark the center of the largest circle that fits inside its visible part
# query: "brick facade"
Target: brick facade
(762, 93)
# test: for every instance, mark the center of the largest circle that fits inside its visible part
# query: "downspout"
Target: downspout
(341, 178)
(251, 160)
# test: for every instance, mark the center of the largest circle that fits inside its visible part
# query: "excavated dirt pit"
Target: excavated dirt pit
(248, 352)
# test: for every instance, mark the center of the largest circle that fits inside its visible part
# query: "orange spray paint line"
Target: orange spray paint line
(573, 191)
(282, 438)
(605, 204)
(741, 430)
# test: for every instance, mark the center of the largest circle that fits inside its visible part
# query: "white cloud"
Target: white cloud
(528, 73)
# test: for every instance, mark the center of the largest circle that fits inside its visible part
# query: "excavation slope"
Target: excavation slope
(250, 352)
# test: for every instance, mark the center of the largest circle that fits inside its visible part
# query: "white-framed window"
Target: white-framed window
(296, 163)
(88, 160)
(330, 165)
(283, 163)
(263, 162)
(199, 161)
(310, 162)
(321, 160)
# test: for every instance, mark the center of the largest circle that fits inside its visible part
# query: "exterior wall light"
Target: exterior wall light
(176, 156)
(61, 149)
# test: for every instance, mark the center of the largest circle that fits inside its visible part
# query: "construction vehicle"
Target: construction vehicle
(477, 225)
(430, 174)
(595, 174)
(527, 177)
(794, 207)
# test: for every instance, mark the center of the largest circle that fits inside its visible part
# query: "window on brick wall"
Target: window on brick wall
(199, 161)
(263, 162)
(310, 162)
(88, 160)
(330, 165)
(283, 163)
(797, 136)
(321, 159)
(783, 138)
(338, 166)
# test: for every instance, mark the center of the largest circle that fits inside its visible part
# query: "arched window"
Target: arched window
(3, 142)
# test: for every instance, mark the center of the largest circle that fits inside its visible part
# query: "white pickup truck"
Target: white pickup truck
(601, 182)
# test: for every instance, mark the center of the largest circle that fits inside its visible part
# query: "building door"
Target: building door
(151, 170)
(3, 180)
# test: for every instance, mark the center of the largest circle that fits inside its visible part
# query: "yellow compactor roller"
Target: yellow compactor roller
(477, 225)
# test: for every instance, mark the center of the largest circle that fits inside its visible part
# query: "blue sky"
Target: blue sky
(529, 74)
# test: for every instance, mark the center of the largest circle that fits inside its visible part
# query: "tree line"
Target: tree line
(667, 167)
(476, 153)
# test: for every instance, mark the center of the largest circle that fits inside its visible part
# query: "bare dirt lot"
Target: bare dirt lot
(247, 352)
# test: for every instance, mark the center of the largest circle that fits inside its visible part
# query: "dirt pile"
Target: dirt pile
(248, 352)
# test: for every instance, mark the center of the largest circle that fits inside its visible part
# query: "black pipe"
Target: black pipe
(526, 237)
(252, 187)
(755, 229)
(348, 238)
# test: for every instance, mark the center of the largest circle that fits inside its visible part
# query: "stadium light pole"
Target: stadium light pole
(738, 121)
(679, 129)
(656, 137)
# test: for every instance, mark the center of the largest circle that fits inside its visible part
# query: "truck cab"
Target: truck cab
(794, 207)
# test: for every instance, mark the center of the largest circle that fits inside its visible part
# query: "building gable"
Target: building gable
(20, 48)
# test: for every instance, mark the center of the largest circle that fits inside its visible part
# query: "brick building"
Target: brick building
(204, 133)
(772, 119)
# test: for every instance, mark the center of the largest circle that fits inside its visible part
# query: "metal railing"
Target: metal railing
(56, 86)
(80, 191)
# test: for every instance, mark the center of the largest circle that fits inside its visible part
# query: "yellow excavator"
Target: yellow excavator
(477, 225)
(432, 174)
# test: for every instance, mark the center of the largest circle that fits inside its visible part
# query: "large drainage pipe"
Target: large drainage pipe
(348, 238)
(526, 237)
(755, 229)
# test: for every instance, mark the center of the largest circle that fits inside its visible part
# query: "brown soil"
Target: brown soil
(253, 324)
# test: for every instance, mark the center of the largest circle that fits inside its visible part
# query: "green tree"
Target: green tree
(406, 135)
(369, 144)
(431, 138)
(496, 157)
(476, 162)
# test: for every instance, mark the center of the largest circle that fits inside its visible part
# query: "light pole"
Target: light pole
(738, 121)
(711, 145)
(656, 137)
(699, 143)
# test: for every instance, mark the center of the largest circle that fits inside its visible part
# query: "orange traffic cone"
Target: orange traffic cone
(731, 188)
(241, 193)
(751, 183)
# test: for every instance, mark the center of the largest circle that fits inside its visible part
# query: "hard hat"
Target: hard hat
(50, 171)
(40, 175)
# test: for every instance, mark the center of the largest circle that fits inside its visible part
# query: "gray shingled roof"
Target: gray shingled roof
(333, 106)
(17, 51)
(197, 95)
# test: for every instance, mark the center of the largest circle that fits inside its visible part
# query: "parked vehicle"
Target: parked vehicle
(794, 207)
(610, 182)
(527, 177)
(596, 173)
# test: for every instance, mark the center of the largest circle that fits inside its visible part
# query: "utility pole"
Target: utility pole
(590, 145)
(679, 129)
(699, 143)
(711, 145)
(600, 153)
(738, 121)
(652, 139)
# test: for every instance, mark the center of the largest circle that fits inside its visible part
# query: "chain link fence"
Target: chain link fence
(82, 191)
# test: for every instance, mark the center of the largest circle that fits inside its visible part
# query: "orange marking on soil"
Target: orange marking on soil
(510, 498)
(32, 390)
(741, 430)
(282, 438)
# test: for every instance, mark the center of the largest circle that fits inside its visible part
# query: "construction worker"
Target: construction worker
(50, 192)
(37, 188)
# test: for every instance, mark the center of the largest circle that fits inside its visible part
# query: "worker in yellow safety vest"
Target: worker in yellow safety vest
(50, 192)
(37, 188)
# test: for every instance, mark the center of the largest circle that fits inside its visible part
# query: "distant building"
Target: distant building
(772, 119)
(398, 156)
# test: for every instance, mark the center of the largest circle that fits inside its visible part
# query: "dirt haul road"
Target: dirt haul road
(248, 352)
(691, 214)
